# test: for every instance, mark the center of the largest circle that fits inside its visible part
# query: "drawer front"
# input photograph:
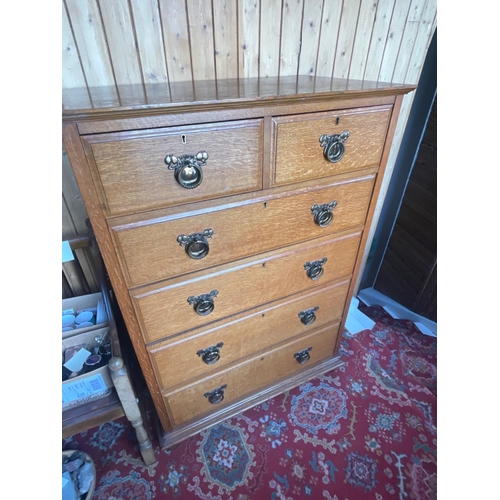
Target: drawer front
(190, 402)
(151, 252)
(169, 310)
(204, 352)
(131, 175)
(300, 156)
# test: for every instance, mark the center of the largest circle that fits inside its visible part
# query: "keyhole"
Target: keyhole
(337, 121)
(183, 138)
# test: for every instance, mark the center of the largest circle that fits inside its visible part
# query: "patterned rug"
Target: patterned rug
(364, 431)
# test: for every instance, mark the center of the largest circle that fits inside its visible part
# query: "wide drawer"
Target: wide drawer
(205, 351)
(151, 250)
(194, 400)
(169, 309)
(300, 156)
(131, 174)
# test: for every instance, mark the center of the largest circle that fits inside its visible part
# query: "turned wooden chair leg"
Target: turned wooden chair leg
(132, 411)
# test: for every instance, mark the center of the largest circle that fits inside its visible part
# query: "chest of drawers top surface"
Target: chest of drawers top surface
(231, 216)
(127, 101)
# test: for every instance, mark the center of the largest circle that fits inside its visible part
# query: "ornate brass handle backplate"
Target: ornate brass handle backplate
(203, 304)
(323, 214)
(217, 395)
(303, 356)
(333, 145)
(308, 317)
(187, 168)
(196, 244)
(210, 355)
(314, 270)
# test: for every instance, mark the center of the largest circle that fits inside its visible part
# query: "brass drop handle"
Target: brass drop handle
(196, 244)
(211, 355)
(303, 356)
(323, 214)
(187, 168)
(217, 395)
(333, 145)
(314, 270)
(308, 317)
(203, 304)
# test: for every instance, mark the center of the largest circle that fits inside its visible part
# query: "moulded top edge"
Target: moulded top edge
(96, 102)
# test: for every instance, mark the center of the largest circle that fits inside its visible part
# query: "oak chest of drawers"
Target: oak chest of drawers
(232, 218)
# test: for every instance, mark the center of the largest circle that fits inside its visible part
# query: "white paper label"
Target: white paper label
(71, 391)
(75, 364)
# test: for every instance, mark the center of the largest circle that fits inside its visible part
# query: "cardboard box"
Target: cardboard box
(89, 386)
(94, 302)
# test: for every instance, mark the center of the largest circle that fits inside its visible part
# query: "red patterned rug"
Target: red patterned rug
(364, 431)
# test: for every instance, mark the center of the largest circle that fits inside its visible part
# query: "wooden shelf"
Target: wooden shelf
(121, 401)
(92, 414)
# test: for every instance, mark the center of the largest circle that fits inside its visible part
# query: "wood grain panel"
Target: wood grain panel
(364, 30)
(89, 34)
(423, 39)
(345, 42)
(131, 174)
(121, 42)
(150, 251)
(243, 336)
(72, 72)
(201, 34)
(147, 26)
(311, 29)
(393, 42)
(299, 154)
(221, 39)
(291, 37)
(270, 35)
(330, 23)
(225, 39)
(248, 38)
(411, 29)
(380, 32)
(189, 402)
(241, 287)
(176, 40)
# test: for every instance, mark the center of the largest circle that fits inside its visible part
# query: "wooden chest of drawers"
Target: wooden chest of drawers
(231, 228)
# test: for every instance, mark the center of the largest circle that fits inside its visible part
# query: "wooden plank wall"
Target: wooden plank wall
(109, 42)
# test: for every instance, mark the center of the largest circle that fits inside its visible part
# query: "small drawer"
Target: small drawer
(249, 376)
(171, 308)
(300, 155)
(137, 171)
(205, 351)
(157, 249)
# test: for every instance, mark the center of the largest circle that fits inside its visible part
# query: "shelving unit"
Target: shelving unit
(122, 401)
